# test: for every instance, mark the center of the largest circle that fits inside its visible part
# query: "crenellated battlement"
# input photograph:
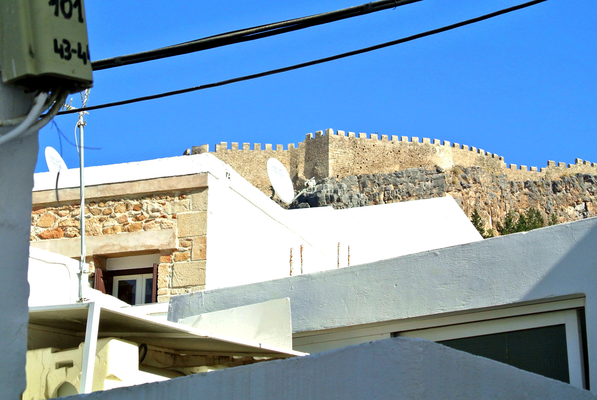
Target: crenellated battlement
(337, 153)
(234, 146)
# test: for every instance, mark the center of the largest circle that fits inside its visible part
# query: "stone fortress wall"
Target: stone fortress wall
(336, 154)
(360, 169)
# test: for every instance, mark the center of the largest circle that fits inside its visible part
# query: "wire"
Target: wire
(248, 34)
(29, 121)
(309, 63)
(47, 117)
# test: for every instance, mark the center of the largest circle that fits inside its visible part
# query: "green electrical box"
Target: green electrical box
(43, 44)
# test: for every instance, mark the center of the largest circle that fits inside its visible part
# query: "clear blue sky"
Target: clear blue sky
(522, 85)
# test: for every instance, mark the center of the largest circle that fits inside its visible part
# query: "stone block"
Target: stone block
(192, 224)
(234, 146)
(135, 227)
(67, 222)
(198, 201)
(182, 256)
(199, 248)
(374, 136)
(279, 147)
(257, 146)
(151, 226)
(175, 207)
(188, 274)
(52, 234)
(120, 208)
(46, 220)
(246, 146)
(163, 276)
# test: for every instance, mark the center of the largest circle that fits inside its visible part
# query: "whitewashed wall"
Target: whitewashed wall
(388, 369)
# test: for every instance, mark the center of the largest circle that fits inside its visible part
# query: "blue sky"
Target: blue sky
(522, 85)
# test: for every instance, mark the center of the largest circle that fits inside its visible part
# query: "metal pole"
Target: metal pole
(82, 272)
(90, 347)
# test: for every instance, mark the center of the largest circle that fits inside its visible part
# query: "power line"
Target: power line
(313, 62)
(248, 34)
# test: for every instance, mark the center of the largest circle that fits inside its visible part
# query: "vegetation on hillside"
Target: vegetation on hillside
(526, 221)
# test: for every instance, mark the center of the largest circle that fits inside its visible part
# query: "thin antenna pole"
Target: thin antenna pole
(80, 125)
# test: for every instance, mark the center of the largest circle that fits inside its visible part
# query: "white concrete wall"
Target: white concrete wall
(248, 237)
(17, 163)
(388, 369)
(52, 278)
(541, 264)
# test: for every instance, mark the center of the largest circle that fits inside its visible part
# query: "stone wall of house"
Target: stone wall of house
(181, 270)
(338, 154)
(570, 197)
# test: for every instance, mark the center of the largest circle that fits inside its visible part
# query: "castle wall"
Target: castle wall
(251, 164)
(339, 154)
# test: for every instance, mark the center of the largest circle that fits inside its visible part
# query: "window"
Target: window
(133, 289)
(550, 343)
(132, 279)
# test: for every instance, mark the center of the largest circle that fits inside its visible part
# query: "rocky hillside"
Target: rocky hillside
(568, 198)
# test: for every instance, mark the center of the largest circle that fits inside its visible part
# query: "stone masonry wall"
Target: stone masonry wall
(339, 154)
(570, 197)
(180, 271)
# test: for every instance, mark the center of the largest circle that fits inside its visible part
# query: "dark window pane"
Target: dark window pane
(148, 290)
(127, 290)
(539, 350)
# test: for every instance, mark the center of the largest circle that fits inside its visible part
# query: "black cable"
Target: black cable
(309, 63)
(248, 34)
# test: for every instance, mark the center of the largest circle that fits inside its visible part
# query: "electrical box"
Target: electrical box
(43, 44)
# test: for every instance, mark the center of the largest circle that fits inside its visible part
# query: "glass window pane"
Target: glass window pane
(539, 350)
(127, 290)
(148, 290)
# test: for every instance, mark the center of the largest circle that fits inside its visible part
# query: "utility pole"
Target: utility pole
(44, 55)
(17, 164)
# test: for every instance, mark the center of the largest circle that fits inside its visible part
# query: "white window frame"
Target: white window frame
(568, 318)
(140, 282)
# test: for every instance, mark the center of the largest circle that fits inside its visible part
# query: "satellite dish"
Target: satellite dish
(280, 180)
(54, 161)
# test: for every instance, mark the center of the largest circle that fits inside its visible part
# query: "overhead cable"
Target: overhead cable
(248, 34)
(310, 63)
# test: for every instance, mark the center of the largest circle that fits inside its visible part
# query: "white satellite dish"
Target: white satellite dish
(54, 161)
(280, 180)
